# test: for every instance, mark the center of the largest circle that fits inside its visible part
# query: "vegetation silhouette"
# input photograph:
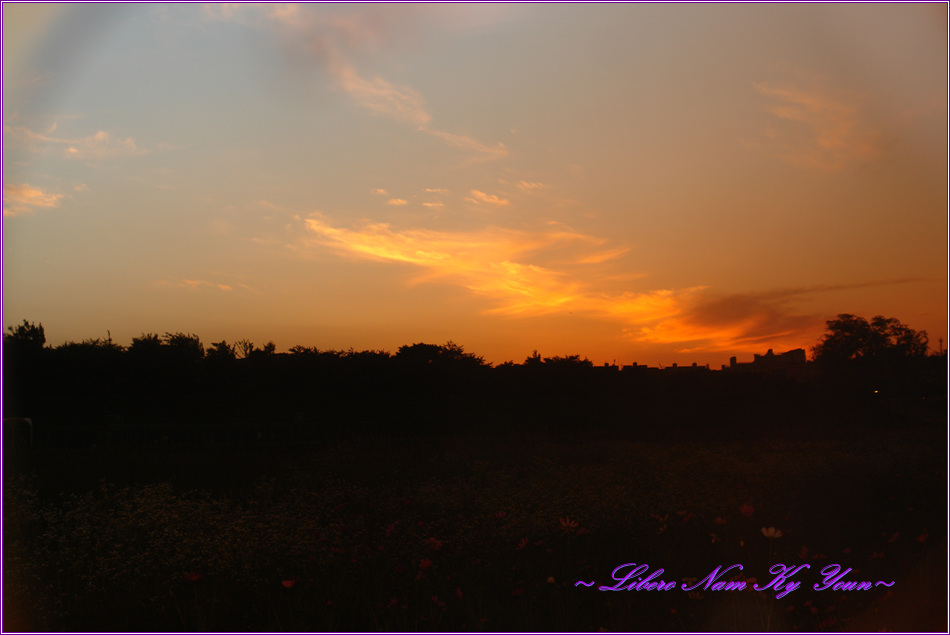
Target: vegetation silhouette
(172, 388)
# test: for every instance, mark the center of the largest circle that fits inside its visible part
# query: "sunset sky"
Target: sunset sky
(650, 183)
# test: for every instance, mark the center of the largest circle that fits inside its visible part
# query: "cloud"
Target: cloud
(101, 145)
(436, 190)
(202, 284)
(482, 197)
(503, 265)
(525, 185)
(399, 103)
(432, 205)
(735, 322)
(380, 191)
(397, 201)
(525, 273)
(332, 38)
(816, 130)
(24, 198)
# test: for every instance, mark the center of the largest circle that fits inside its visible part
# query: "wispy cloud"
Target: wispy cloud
(818, 131)
(503, 265)
(736, 322)
(528, 185)
(481, 197)
(101, 145)
(397, 201)
(526, 273)
(202, 284)
(25, 198)
(332, 38)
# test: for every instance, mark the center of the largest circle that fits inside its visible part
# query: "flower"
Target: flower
(435, 543)
(501, 514)
(289, 583)
(551, 579)
(714, 538)
(425, 563)
(458, 593)
(771, 532)
(746, 509)
(522, 544)
(193, 576)
(720, 520)
(517, 592)
(567, 524)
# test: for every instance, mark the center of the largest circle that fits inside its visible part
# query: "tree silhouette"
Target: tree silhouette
(850, 338)
(27, 336)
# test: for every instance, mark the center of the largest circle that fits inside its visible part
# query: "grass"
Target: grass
(478, 532)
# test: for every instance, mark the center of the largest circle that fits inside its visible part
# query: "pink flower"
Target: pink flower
(746, 509)
(522, 544)
(425, 563)
(501, 514)
(193, 576)
(720, 520)
(289, 583)
(435, 543)
(435, 598)
(923, 537)
(567, 524)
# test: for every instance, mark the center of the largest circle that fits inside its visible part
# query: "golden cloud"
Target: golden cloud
(527, 274)
(22, 199)
(497, 263)
(482, 197)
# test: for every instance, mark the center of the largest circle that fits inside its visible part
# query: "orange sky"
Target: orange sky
(650, 183)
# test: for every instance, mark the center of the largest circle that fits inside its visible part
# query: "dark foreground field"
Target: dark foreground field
(485, 533)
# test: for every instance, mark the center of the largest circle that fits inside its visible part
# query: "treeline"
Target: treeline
(174, 384)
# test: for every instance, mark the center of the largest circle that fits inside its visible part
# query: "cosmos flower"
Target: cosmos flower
(193, 576)
(746, 509)
(567, 524)
(289, 583)
(425, 563)
(771, 532)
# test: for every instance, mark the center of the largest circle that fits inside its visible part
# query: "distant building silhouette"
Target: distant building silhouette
(790, 361)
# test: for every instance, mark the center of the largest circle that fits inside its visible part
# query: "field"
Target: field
(482, 532)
